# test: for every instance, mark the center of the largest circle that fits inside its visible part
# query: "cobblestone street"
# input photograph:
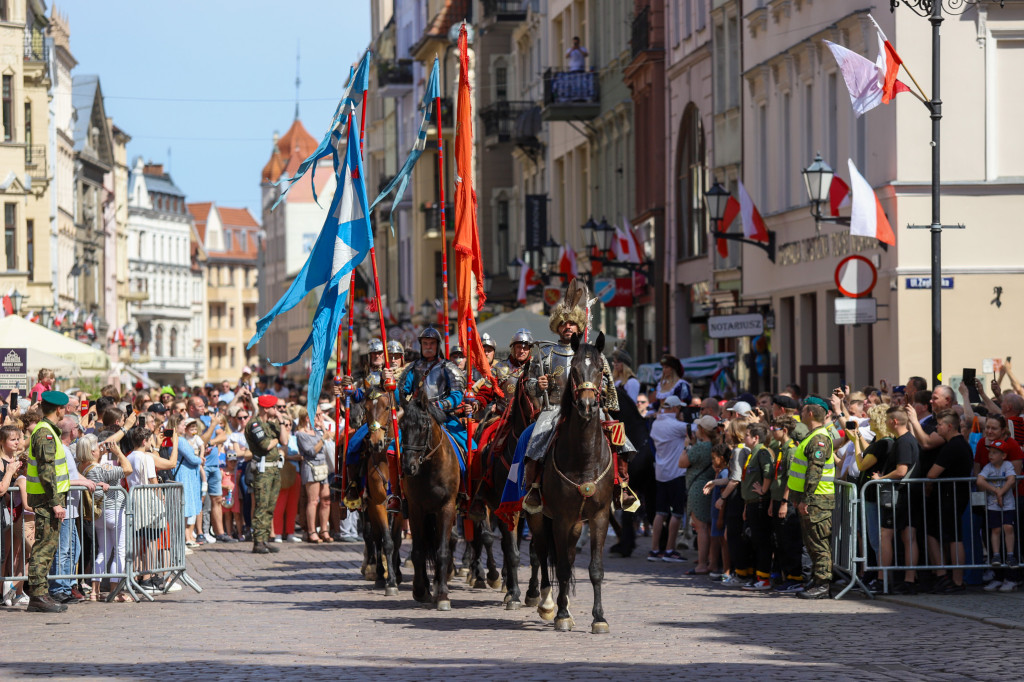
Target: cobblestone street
(305, 613)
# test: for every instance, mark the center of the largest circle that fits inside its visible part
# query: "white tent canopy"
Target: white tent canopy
(65, 370)
(503, 326)
(17, 332)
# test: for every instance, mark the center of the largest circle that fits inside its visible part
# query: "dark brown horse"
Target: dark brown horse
(384, 536)
(431, 480)
(521, 412)
(577, 486)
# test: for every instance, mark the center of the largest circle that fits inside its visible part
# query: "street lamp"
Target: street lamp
(717, 199)
(551, 248)
(17, 298)
(513, 269)
(488, 282)
(818, 181)
(427, 309)
(604, 234)
(589, 232)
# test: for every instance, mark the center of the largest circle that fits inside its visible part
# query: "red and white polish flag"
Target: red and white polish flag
(867, 219)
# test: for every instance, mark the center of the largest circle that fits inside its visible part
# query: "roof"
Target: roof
(236, 217)
(200, 212)
(302, 193)
(451, 13)
(162, 184)
(83, 97)
(289, 151)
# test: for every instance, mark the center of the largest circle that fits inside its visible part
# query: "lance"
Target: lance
(389, 384)
(444, 230)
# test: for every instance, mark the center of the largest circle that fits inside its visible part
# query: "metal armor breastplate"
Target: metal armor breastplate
(372, 381)
(556, 364)
(433, 380)
(508, 377)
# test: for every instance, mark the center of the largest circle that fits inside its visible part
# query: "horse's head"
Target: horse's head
(586, 376)
(417, 433)
(378, 421)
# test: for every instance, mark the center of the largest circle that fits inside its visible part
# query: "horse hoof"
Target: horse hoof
(513, 605)
(531, 601)
(564, 625)
(546, 614)
(444, 605)
(494, 584)
(506, 599)
(479, 584)
(600, 628)
(390, 591)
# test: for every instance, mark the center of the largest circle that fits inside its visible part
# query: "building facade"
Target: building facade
(25, 164)
(229, 238)
(165, 329)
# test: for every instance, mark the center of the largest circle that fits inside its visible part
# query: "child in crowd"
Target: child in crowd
(718, 558)
(997, 479)
(755, 489)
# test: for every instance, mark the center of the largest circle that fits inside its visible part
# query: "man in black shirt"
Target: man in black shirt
(948, 503)
(902, 463)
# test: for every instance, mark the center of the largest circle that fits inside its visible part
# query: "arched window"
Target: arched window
(174, 342)
(158, 343)
(691, 221)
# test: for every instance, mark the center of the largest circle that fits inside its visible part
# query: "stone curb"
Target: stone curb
(963, 613)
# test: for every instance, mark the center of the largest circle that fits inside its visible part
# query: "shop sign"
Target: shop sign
(734, 326)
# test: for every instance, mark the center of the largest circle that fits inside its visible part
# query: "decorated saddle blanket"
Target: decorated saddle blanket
(515, 487)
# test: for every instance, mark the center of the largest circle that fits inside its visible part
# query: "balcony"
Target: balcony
(571, 95)
(641, 39)
(394, 77)
(432, 220)
(138, 291)
(500, 120)
(504, 10)
(35, 46)
(35, 160)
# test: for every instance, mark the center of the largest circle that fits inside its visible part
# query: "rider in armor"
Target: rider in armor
(507, 372)
(359, 390)
(569, 317)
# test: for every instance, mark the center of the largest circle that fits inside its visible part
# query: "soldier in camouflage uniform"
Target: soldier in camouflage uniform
(48, 482)
(265, 436)
(811, 487)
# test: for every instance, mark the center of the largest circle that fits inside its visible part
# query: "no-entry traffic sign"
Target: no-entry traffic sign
(856, 276)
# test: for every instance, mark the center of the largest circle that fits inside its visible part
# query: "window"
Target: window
(688, 18)
(787, 152)
(232, 352)
(690, 218)
(833, 120)
(158, 343)
(735, 66)
(5, 12)
(502, 223)
(500, 83)
(231, 317)
(30, 248)
(702, 19)
(10, 235)
(28, 128)
(174, 342)
(808, 122)
(8, 113)
(762, 152)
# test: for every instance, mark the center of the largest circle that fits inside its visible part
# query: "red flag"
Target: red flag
(838, 194)
(732, 209)
(528, 278)
(753, 224)
(892, 68)
(468, 261)
(567, 262)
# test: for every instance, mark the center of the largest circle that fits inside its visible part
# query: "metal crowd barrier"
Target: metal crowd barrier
(950, 521)
(120, 543)
(158, 537)
(844, 537)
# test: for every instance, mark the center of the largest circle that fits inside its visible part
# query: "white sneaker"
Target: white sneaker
(176, 587)
(988, 576)
(1008, 586)
(188, 550)
(993, 586)
(277, 538)
(22, 600)
(294, 538)
(211, 540)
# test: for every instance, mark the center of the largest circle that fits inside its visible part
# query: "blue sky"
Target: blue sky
(173, 74)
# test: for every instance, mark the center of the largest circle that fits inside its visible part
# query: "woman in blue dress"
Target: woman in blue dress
(187, 473)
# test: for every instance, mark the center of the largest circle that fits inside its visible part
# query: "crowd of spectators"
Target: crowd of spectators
(720, 468)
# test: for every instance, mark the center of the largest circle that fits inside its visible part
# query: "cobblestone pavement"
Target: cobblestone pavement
(305, 613)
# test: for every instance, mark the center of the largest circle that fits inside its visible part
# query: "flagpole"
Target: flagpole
(389, 386)
(444, 230)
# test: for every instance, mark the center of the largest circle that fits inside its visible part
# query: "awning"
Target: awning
(696, 367)
(17, 332)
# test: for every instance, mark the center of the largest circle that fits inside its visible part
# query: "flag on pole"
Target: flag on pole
(469, 264)
(401, 179)
(88, 327)
(838, 195)
(567, 262)
(888, 63)
(344, 242)
(753, 224)
(732, 209)
(625, 248)
(358, 83)
(867, 219)
(869, 83)
(528, 279)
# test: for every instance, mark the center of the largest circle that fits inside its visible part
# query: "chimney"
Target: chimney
(153, 169)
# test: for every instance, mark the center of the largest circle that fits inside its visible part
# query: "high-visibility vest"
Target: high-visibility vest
(798, 467)
(34, 487)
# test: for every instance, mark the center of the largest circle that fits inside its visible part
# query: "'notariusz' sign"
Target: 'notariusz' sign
(731, 326)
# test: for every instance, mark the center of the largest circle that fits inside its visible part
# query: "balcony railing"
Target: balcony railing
(570, 95)
(394, 72)
(505, 10)
(35, 159)
(432, 219)
(35, 47)
(500, 119)
(641, 39)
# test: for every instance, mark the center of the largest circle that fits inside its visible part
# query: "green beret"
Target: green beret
(815, 400)
(55, 398)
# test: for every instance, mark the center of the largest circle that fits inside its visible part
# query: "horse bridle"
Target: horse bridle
(407, 447)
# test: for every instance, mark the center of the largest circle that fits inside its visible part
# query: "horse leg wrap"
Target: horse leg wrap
(393, 474)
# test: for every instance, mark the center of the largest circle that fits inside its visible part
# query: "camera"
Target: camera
(168, 433)
(851, 425)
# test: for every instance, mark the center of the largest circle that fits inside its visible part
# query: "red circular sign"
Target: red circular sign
(856, 276)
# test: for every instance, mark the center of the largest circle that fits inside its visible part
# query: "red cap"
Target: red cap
(267, 400)
(999, 445)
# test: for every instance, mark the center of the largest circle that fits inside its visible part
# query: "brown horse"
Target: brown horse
(521, 412)
(431, 483)
(385, 535)
(577, 486)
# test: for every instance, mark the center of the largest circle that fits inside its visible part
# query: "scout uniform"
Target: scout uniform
(48, 483)
(812, 476)
(260, 433)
